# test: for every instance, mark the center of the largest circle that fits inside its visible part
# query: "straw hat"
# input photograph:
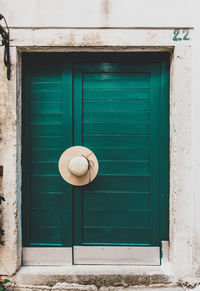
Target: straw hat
(78, 165)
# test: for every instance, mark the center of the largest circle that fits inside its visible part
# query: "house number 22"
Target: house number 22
(180, 35)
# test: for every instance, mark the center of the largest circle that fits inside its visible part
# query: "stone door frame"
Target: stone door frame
(179, 248)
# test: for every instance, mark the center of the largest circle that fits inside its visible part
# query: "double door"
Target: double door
(118, 108)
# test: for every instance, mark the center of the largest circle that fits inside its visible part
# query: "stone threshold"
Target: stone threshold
(95, 277)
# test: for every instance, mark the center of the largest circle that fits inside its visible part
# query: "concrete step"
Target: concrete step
(77, 287)
(95, 277)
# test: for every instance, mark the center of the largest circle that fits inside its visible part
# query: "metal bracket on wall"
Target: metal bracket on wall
(1, 177)
(1, 171)
(5, 34)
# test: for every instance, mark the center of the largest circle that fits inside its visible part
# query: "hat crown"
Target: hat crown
(78, 166)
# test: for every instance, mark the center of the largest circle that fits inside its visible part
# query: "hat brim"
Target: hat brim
(72, 152)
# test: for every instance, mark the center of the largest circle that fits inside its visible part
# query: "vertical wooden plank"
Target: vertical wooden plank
(68, 133)
(78, 140)
(25, 154)
(164, 151)
(155, 152)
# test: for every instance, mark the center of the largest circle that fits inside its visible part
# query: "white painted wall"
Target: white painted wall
(58, 25)
(196, 149)
(99, 13)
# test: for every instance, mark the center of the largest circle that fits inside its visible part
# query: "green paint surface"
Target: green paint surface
(47, 132)
(116, 105)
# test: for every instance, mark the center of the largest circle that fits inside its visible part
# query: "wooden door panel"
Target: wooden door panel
(47, 132)
(127, 169)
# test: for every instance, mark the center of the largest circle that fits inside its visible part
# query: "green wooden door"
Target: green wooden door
(117, 107)
(47, 132)
(117, 112)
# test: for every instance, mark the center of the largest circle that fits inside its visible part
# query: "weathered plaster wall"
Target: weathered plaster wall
(181, 190)
(99, 13)
(8, 158)
(58, 26)
(195, 149)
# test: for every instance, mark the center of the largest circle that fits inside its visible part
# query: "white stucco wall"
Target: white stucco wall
(99, 13)
(124, 25)
(195, 149)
